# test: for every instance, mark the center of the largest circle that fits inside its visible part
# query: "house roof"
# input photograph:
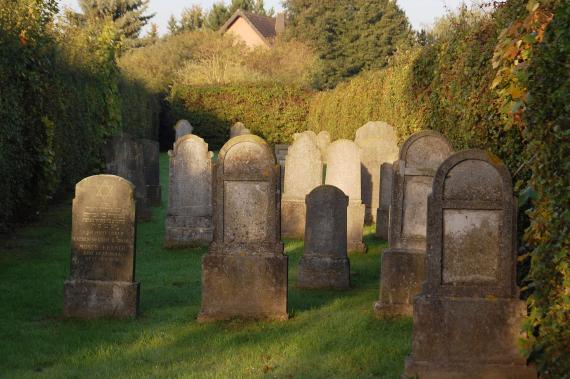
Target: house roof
(263, 25)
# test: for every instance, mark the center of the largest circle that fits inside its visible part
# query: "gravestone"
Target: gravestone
(244, 273)
(281, 155)
(189, 217)
(383, 212)
(324, 263)
(182, 128)
(468, 318)
(343, 171)
(124, 157)
(151, 155)
(324, 140)
(239, 129)
(103, 234)
(403, 264)
(303, 173)
(379, 144)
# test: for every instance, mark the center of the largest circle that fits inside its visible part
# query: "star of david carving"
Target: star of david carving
(104, 191)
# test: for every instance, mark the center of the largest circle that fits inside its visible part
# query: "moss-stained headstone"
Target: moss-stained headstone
(468, 317)
(244, 273)
(403, 264)
(101, 283)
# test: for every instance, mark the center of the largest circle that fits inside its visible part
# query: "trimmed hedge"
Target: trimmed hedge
(273, 111)
(60, 99)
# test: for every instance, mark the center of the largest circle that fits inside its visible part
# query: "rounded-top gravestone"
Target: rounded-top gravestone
(244, 273)
(183, 128)
(403, 264)
(303, 173)
(379, 144)
(470, 296)
(343, 172)
(189, 217)
(103, 235)
(324, 263)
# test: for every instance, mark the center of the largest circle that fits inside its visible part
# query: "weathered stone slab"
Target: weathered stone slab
(303, 173)
(189, 217)
(324, 140)
(101, 282)
(403, 264)
(124, 157)
(467, 320)
(383, 212)
(324, 263)
(183, 128)
(379, 144)
(151, 155)
(343, 172)
(238, 129)
(244, 274)
(281, 155)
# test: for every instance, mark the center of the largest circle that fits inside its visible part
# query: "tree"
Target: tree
(153, 33)
(173, 27)
(192, 18)
(218, 15)
(129, 16)
(348, 35)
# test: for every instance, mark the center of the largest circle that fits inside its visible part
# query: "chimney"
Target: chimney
(280, 23)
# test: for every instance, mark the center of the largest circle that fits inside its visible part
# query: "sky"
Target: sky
(422, 13)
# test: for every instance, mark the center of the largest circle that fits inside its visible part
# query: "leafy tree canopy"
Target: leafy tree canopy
(348, 35)
(129, 16)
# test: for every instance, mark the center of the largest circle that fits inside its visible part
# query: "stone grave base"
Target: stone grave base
(154, 195)
(355, 227)
(184, 232)
(88, 299)
(402, 274)
(324, 272)
(467, 338)
(382, 223)
(247, 287)
(293, 215)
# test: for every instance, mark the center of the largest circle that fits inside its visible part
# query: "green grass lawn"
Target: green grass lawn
(330, 334)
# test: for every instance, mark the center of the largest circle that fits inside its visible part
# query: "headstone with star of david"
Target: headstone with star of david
(102, 282)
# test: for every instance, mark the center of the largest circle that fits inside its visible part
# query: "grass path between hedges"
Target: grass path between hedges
(330, 334)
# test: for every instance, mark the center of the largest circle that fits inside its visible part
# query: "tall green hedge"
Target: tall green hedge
(61, 96)
(448, 86)
(272, 111)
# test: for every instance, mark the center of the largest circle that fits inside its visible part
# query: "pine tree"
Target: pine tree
(218, 15)
(129, 16)
(173, 27)
(349, 35)
(192, 18)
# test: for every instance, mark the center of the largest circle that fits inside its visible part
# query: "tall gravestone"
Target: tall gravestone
(383, 212)
(324, 140)
(151, 156)
(182, 128)
(189, 217)
(343, 171)
(467, 320)
(101, 283)
(303, 173)
(244, 273)
(379, 144)
(403, 264)
(324, 263)
(238, 129)
(124, 157)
